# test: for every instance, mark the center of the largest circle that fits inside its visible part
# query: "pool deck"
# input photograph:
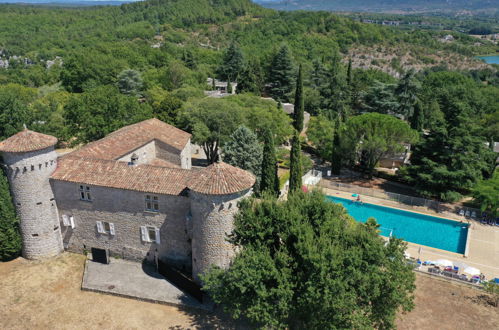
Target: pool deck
(483, 240)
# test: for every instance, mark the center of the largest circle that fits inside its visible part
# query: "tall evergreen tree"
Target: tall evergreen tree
(406, 93)
(269, 180)
(335, 91)
(336, 155)
(10, 240)
(417, 119)
(251, 78)
(281, 74)
(232, 63)
(229, 87)
(130, 82)
(244, 151)
(299, 102)
(295, 171)
(349, 73)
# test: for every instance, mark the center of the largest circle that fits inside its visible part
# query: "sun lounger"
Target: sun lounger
(473, 214)
(467, 214)
(461, 212)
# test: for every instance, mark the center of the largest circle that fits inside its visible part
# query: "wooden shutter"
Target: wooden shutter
(65, 220)
(100, 229)
(111, 229)
(158, 240)
(144, 234)
(72, 222)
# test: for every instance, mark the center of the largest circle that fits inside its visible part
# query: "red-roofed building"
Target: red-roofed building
(133, 193)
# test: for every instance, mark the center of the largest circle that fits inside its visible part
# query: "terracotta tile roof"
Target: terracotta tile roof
(26, 141)
(220, 179)
(163, 163)
(120, 175)
(131, 137)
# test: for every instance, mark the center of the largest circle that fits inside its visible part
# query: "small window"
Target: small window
(152, 203)
(85, 193)
(150, 234)
(104, 227)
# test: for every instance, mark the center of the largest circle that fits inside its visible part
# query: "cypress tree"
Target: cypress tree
(336, 157)
(295, 170)
(229, 86)
(417, 118)
(269, 181)
(349, 73)
(299, 102)
(10, 240)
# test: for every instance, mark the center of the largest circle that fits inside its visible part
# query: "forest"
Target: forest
(81, 73)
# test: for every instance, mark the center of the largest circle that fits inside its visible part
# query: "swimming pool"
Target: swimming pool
(411, 227)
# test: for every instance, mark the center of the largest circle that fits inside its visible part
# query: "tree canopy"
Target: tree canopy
(10, 239)
(305, 263)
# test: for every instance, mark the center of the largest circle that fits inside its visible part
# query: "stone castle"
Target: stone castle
(132, 193)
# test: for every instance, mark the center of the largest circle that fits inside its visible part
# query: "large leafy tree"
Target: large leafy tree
(320, 131)
(14, 108)
(10, 239)
(244, 151)
(269, 182)
(251, 78)
(452, 156)
(305, 264)
(100, 111)
(486, 193)
(211, 122)
(281, 74)
(295, 170)
(232, 63)
(373, 135)
(337, 152)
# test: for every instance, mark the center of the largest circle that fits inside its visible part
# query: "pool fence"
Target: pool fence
(408, 201)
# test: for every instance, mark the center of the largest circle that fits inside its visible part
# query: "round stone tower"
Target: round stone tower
(214, 194)
(29, 159)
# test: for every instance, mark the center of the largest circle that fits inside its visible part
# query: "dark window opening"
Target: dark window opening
(34, 235)
(39, 203)
(56, 227)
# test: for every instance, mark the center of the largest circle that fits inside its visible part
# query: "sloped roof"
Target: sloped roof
(221, 179)
(131, 137)
(120, 175)
(26, 141)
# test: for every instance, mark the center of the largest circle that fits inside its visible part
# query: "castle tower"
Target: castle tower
(30, 159)
(214, 195)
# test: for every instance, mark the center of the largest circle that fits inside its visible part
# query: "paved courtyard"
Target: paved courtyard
(134, 280)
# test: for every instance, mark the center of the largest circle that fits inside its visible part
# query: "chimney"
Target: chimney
(134, 160)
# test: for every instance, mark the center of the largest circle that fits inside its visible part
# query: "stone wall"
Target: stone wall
(146, 154)
(28, 175)
(212, 221)
(126, 210)
(185, 156)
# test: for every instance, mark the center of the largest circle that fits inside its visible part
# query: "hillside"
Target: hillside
(392, 6)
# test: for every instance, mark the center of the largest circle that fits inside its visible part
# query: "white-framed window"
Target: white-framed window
(106, 228)
(150, 234)
(85, 193)
(68, 221)
(152, 203)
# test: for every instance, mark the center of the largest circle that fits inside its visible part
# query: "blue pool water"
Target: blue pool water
(411, 227)
(490, 59)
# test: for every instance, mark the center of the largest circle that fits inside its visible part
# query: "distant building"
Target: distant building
(396, 160)
(220, 88)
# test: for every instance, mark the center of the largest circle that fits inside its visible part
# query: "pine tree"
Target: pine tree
(269, 180)
(281, 74)
(406, 93)
(130, 82)
(244, 151)
(10, 240)
(232, 63)
(336, 155)
(295, 171)
(229, 87)
(299, 102)
(251, 78)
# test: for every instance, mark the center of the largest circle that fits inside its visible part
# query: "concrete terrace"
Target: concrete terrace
(483, 240)
(135, 280)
